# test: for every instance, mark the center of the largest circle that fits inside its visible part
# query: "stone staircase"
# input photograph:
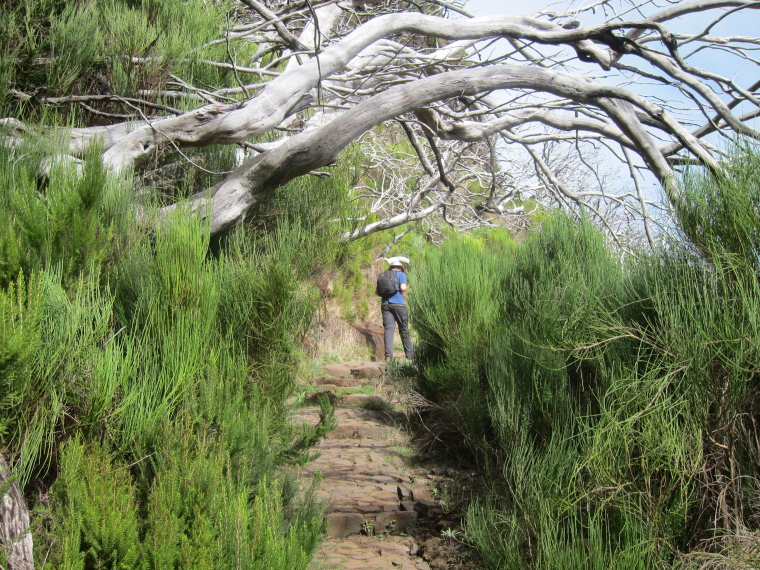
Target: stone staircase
(373, 501)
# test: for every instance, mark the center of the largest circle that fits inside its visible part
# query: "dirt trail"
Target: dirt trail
(374, 502)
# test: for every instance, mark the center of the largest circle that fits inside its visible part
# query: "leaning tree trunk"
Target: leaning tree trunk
(14, 522)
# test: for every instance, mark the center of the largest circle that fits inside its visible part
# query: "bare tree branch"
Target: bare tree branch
(512, 107)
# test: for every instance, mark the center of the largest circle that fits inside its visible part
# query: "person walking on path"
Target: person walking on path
(393, 306)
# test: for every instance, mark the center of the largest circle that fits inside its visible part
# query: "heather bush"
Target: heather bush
(145, 378)
(615, 404)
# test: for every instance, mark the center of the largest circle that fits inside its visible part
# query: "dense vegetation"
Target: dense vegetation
(144, 370)
(615, 402)
(55, 48)
(144, 373)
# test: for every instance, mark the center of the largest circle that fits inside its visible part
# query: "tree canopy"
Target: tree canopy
(499, 113)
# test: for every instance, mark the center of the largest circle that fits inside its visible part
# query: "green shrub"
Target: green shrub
(117, 46)
(143, 371)
(609, 401)
(96, 522)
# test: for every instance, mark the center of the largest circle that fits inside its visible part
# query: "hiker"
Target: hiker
(391, 285)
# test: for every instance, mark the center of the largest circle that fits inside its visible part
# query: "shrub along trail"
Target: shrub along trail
(380, 513)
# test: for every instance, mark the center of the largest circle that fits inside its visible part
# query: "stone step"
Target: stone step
(370, 502)
(367, 372)
(395, 522)
(342, 524)
(335, 381)
(361, 399)
(360, 432)
(356, 369)
(346, 400)
(374, 553)
(338, 370)
(363, 509)
(335, 389)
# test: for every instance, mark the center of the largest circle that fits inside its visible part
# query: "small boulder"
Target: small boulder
(415, 549)
(395, 522)
(423, 507)
(404, 493)
(340, 525)
(344, 431)
(431, 549)
(426, 494)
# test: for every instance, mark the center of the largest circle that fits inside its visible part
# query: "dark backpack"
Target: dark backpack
(387, 284)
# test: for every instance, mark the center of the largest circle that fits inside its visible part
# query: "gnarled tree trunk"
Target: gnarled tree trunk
(14, 522)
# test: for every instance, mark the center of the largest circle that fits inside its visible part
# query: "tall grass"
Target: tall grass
(616, 405)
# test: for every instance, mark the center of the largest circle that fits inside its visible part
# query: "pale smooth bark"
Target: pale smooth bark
(440, 89)
(228, 202)
(228, 124)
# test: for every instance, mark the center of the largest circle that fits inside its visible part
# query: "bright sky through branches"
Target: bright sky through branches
(744, 71)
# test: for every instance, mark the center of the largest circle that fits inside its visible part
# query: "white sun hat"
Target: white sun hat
(393, 261)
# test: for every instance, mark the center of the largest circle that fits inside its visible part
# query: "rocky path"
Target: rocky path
(379, 511)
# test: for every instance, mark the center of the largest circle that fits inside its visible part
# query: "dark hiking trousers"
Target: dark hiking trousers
(396, 313)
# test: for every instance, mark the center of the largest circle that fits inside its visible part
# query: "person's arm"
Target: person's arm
(402, 285)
